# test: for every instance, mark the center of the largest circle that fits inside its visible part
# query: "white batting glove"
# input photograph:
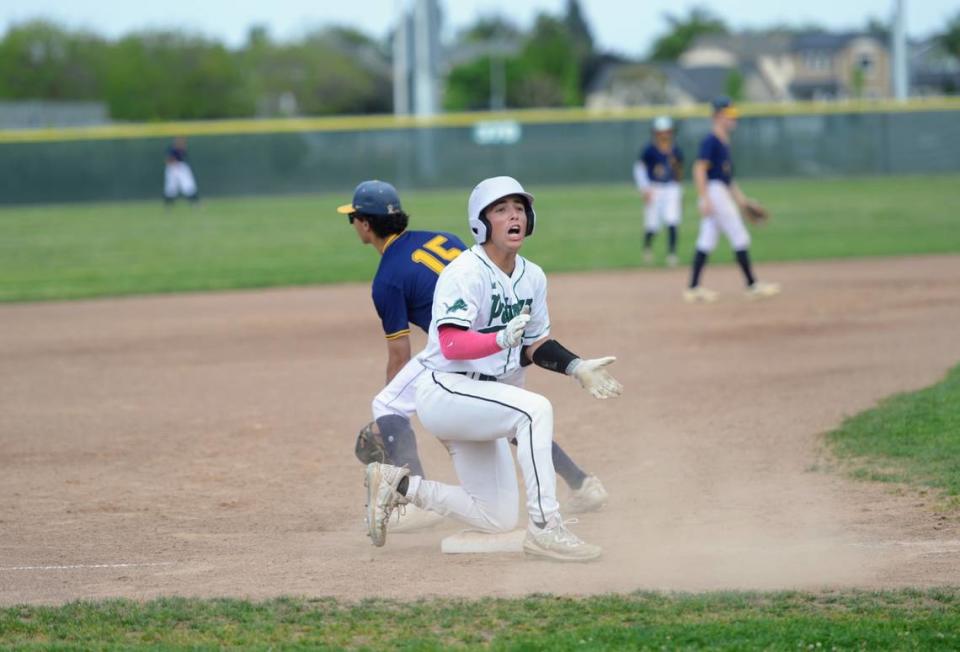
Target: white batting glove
(594, 378)
(512, 335)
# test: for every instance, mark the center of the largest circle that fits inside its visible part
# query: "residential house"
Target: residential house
(774, 66)
(933, 70)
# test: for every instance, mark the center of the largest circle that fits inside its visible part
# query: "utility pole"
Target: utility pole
(401, 62)
(425, 55)
(901, 82)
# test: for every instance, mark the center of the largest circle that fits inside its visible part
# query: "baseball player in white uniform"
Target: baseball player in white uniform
(719, 199)
(657, 172)
(489, 321)
(177, 176)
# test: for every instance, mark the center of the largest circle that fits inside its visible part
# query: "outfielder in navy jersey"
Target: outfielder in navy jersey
(177, 176)
(657, 173)
(720, 199)
(402, 291)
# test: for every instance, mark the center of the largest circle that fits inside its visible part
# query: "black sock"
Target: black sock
(672, 239)
(699, 262)
(403, 485)
(400, 443)
(743, 258)
(567, 469)
(648, 239)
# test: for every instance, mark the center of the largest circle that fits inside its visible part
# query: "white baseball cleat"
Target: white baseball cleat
(558, 543)
(672, 260)
(590, 497)
(760, 290)
(699, 295)
(413, 519)
(382, 497)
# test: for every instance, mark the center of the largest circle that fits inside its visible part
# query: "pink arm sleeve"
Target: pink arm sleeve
(459, 344)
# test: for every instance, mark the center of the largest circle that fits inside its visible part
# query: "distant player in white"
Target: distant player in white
(657, 172)
(490, 320)
(177, 176)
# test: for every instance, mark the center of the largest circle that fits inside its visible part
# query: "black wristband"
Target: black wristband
(553, 356)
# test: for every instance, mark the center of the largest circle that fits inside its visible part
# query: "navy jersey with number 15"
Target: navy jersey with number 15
(407, 275)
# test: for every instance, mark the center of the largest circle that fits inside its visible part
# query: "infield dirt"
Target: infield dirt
(201, 445)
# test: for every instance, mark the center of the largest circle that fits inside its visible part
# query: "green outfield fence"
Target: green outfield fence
(456, 150)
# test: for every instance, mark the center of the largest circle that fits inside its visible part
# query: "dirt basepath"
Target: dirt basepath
(201, 445)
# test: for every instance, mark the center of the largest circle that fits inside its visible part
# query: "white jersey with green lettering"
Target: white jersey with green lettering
(472, 292)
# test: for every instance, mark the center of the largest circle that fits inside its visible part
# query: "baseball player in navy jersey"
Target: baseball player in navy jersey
(177, 176)
(490, 321)
(719, 200)
(403, 291)
(658, 171)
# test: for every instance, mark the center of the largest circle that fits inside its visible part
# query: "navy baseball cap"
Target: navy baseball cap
(373, 198)
(724, 105)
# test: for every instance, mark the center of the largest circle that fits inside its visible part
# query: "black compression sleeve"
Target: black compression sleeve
(553, 356)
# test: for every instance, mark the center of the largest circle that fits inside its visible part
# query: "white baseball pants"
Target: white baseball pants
(399, 397)
(475, 420)
(663, 207)
(725, 218)
(178, 180)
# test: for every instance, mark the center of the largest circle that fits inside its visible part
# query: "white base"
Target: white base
(475, 541)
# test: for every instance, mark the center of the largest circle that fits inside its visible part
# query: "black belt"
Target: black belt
(476, 376)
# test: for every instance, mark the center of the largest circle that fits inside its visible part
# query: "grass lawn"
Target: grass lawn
(903, 619)
(912, 438)
(89, 250)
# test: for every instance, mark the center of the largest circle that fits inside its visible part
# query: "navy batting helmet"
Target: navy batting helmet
(375, 198)
(724, 105)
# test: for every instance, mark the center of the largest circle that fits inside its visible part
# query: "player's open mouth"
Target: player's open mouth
(514, 230)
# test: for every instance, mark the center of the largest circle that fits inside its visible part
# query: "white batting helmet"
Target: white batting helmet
(663, 123)
(489, 191)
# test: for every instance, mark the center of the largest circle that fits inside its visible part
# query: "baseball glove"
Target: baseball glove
(677, 166)
(370, 446)
(755, 212)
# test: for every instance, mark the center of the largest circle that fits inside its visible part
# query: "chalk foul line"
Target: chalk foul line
(85, 566)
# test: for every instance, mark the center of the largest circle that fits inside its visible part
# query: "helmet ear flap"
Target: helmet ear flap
(531, 216)
(485, 226)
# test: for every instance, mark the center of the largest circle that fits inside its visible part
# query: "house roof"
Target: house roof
(747, 45)
(705, 82)
(828, 41)
(750, 45)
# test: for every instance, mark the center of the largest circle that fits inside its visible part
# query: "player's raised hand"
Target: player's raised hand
(594, 378)
(512, 335)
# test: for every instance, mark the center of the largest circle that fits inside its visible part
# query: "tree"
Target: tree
(329, 71)
(490, 28)
(950, 39)
(39, 60)
(684, 31)
(546, 72)
(857, 82)
(579, 30)
(167, 75)
(878, 29)
(733, 85)
(549, 68)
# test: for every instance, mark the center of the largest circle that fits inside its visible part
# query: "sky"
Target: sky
(626, 27)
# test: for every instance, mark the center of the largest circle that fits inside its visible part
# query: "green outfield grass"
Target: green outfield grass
(904, 619)
(88, 250)
(909, 438)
